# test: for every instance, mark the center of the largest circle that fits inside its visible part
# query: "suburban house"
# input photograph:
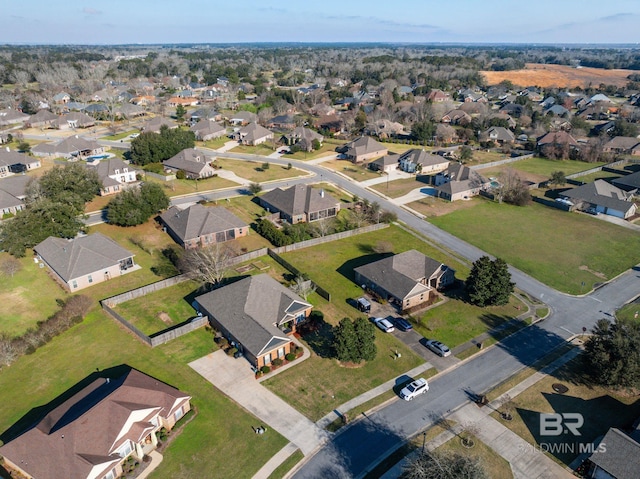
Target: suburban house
(62, 97)
(407, 279)
(285, 122)
(194, 163)
(84, 260)
(202, 226)
(90, 435)
(362, 149)
(184, 101)
(203, 114)
(113, 173)
(558, 139)
(604, 198)
(300, 203)
(622, 145)
(73, 120)
(619, 458)
(13, 191)
(438, 96)
(253, 134)
(426, 163)
(498, 134)
(72, 147)
(12, 162)
(456, 117)
(303, 138)
(386, 163)
(208, 130)
(42, 119)
(242, 118)
(127, 110)
(155, 124)
(257, 314)
(459, 182)
(9, 116)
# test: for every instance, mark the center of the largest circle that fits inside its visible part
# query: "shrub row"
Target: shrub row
(72, 311)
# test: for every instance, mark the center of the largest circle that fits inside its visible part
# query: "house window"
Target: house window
(111, 474)
(267, 358)
(281, 352)
(90, 279)
(116, 171)
(125, 449)
(154, 421)
(300, 317)
(74, 284)
(178, 414)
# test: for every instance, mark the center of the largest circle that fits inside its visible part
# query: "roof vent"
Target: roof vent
(321, 193)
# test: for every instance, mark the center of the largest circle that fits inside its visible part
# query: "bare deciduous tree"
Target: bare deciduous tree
(442, 465)
(207, 265)
(302, 287)
(10, 266)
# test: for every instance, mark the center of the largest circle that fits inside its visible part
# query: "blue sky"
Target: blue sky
(420, 21)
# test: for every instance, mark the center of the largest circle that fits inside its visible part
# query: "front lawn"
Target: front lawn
(215, 143)
(184, 187)
(398, 188)
(601, 409)
(320, 384)
(263, 149)
(328, 148)
(120, 136)
(561, 249)
(253, 171)
(98, 343)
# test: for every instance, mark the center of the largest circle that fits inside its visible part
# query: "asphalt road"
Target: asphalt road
(360, 445)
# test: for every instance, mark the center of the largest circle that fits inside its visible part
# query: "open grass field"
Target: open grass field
(184, 187)
(253, 171)
(600, 407)
(599, 175)
(328, 148)
(480, 157)
(213, 144)
(561, 76)
(353, 171)
(398, 188)
(220, 431)
(22, 308)
(457, 321)
(120, 136)
(431, 206)
(560, 249)
(263, 149)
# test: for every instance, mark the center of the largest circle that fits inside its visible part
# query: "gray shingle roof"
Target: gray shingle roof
(422, 157)
(250, 309)
(299, 199)
(622, 456)
(80, 256)
(198, 220)
(629, 182)
(601, 193)
(253, 132)
(399, 274)
(189, 160)
(68, 146)
(362, 146)
(15, 185)
(108, 167)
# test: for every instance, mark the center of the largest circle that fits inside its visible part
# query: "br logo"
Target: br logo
(555, 424)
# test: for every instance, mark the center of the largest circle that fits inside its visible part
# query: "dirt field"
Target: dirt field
(536, 74)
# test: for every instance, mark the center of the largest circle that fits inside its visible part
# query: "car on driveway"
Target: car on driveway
(415, 388)
(384, 324)
(438, 348)
(402, 324)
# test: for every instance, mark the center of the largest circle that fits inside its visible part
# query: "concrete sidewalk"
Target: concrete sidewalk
(235, 378)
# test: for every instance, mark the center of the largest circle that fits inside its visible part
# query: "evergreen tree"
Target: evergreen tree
(345, 341)
(366, 338)
(489, 282)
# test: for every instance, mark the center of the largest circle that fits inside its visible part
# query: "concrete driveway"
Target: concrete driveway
(235, 378)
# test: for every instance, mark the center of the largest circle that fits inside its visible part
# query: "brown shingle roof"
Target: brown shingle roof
(198, 220)
(299, 199)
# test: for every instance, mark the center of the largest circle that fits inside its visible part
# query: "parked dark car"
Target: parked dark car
(402, 324)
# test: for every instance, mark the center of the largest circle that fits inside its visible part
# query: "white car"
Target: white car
(384, 324)
(438, 348)
(417, 387)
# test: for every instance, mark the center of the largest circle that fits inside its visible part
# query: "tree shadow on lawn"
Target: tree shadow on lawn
(36, 414)
(494, 321)
(599, 414)
(346, 268)
(318, 335)
(529, 344)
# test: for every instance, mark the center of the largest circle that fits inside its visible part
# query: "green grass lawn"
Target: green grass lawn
(320, 384)
(184, 187)
(600, 407)
(282, 470)
(328, 148)
(560, 249)
(144, 313)
(331, 264)
(353, 171)
(253, 171)
(221, 429)
(22, 308)
(599, 175)
(120, 136)
(215, 143)
(545, 166)
(264, 149)
(397, 188)
(629, 312)
(494, 465)
(456, 321)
